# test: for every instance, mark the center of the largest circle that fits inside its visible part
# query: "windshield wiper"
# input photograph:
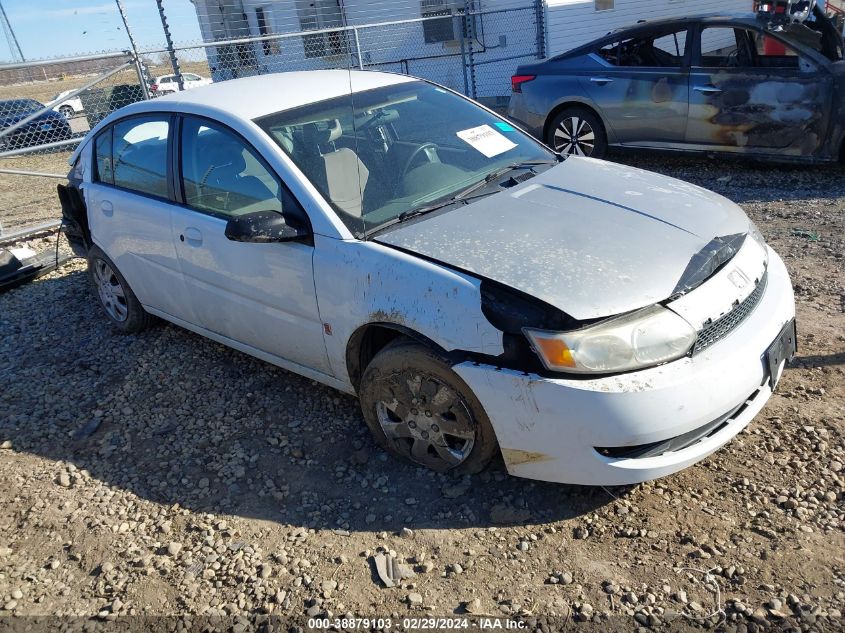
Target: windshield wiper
(462, 197)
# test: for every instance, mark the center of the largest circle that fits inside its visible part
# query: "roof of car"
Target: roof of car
(252, 97)
(745, 19)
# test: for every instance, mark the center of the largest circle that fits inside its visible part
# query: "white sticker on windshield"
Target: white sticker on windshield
(486, 140)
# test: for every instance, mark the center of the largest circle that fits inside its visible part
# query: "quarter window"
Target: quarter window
(221, 175)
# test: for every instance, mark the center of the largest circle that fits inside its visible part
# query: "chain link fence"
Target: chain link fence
(47, 106)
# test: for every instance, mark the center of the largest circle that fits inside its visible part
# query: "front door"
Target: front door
(642, 88)
(751, 91)
(260, 295)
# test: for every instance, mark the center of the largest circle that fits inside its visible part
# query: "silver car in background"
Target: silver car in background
(765, 85)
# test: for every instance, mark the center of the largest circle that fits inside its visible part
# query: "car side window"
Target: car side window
(222, 175)
(731, 47)
(139, 154)
(650, 50)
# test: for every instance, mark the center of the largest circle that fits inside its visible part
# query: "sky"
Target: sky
(57, 28)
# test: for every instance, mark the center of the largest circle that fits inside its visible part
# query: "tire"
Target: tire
(115, 296)
(67, 111)
(417, 408)
(578, 131)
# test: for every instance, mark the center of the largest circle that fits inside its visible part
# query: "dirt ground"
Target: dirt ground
(162, 473)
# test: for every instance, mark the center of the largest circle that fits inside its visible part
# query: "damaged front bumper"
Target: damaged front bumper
(643, 425)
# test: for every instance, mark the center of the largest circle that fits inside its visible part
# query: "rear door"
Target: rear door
(642, 91)
(751, 91)
(258, 294)
(129, 209)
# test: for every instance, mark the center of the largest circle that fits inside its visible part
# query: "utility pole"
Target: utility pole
(14, 45)
(170, 48)
(139, 67)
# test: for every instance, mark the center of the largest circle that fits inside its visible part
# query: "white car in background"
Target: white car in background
(169, 83)
(591, 322)
(70, 107)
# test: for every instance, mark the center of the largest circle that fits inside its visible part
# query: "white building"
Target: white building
(503, 34)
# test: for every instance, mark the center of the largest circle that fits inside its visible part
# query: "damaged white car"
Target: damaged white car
(590, 322)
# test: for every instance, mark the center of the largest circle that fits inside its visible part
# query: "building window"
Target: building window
(437, 30)
(604, 5)
(322, 15)
(270, 47)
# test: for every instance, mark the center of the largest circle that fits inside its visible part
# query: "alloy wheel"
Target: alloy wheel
(425, 420)
(576, 136)
(111, 291)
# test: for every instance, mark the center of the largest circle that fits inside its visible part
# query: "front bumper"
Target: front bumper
(549, 429)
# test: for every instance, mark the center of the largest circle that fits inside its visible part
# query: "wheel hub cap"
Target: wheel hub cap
(576, 136)
(438, 432)
(111, 292)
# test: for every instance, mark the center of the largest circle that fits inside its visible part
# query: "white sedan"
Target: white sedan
(167, 84)
(590, 322)
(68, 107)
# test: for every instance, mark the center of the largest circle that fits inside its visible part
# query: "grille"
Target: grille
(716, 330)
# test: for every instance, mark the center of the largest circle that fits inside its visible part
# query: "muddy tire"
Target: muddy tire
(114, 295)
(419, 409)
(578, 131)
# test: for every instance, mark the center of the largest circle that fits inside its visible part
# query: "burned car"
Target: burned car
(481, 295)
(770, 84)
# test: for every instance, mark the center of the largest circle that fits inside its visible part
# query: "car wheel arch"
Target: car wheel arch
(369, 339)
(574, 103)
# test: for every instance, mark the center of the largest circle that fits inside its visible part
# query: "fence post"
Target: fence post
(358, 49)
(540, 19)
(469, 5)
(142, 78)
(174, 62)
(464, 60)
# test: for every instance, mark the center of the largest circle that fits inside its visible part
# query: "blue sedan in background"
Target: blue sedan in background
(47, 127)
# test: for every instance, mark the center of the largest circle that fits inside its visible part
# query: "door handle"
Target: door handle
(192, 236)
(708, 90)
(602, 81)
(107, 208)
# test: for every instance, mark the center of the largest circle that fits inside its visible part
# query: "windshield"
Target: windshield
(384, 153)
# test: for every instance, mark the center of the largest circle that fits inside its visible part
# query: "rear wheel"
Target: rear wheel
(119, 302)
(419, 409)
(578, 131)
(67, 111)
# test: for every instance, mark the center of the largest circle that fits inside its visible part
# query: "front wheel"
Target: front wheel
(578, 131)
(419, 409)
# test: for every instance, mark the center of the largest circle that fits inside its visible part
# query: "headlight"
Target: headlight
(756, 235)
(644, 338)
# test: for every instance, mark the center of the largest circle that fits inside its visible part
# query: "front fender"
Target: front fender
(358, 283)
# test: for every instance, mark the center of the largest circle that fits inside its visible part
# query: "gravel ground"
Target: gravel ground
(165, 474)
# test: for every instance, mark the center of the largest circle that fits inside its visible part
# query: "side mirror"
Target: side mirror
(265, 226)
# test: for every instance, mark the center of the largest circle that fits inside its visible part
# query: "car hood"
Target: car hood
(591, 238)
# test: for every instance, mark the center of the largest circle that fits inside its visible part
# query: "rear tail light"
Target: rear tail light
(154, 87)
(518, 80)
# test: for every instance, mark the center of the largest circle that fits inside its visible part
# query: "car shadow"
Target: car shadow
(823, 360)
(177, 419)
(746, 180)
